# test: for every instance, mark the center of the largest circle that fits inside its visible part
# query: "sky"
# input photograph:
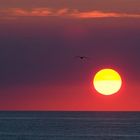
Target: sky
(39, 40)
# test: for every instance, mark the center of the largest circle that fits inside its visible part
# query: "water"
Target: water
(69, 125)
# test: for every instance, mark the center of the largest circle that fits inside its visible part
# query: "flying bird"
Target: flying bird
(82, 57)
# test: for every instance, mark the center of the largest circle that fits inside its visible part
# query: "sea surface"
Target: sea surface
(69, 125)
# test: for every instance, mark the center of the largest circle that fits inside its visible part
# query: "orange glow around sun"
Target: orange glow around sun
(107, 81)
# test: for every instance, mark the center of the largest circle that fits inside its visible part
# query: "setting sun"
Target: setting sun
(107, 81)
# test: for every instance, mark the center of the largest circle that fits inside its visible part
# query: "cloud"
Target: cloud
(100, 14)
(25, 12)
(64, 12)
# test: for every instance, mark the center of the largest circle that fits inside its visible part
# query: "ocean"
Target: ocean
(69, 125)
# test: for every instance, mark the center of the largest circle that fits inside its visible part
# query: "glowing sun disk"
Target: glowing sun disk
(107, 81)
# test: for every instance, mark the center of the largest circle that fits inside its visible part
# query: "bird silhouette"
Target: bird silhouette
(82, 57)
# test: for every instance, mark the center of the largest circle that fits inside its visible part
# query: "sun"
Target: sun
(107, 81)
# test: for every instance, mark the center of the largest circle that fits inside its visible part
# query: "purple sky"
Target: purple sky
(38, 44)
